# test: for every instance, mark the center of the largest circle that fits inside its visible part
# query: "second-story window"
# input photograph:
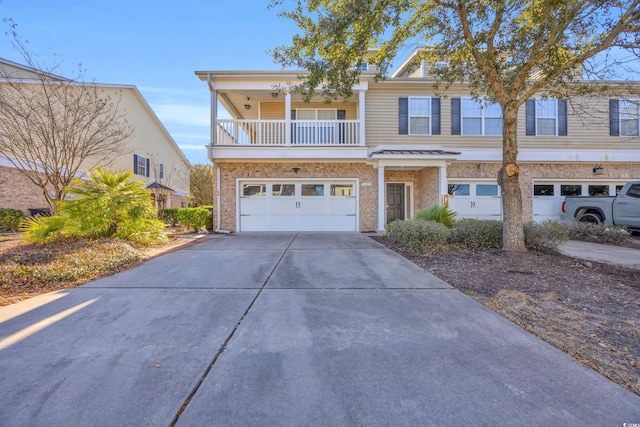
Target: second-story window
(420, 115)
(140, 165)
(161, 171)
(546, 117)
(478, 119)
(629, 117)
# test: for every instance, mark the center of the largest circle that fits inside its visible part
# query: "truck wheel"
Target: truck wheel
(590, 217)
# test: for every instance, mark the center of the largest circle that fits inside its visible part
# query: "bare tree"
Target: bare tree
(163, 178)
(202, 185)
(53, 128)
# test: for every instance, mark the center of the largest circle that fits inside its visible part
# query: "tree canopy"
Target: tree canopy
(506, 51)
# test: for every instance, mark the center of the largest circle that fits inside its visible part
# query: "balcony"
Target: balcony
(288, 133)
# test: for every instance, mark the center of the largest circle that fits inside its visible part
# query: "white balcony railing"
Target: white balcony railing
(274, 132)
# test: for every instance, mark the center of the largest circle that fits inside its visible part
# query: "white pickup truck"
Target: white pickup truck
(623, 209)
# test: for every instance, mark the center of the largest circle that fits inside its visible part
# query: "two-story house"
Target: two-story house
(397, 147)
(150, 153)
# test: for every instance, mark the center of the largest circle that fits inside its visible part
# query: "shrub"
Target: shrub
(10, 219)
(106, 205)
(598, 233)
(170, 216)
(477, 233)
(417, 234)
(194, 218)
(441, 214)
(547, 235)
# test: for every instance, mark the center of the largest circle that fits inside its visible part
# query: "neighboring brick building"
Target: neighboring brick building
(397, 147)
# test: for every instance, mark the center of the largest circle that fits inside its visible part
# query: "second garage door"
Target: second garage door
(298, 206)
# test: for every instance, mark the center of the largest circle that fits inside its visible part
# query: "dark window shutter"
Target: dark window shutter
(135, 164)
(562, 117)
(147, 167)
(403, 116)
(293, 127)
(342, 115)
(435, 116)
(614, 117)
(455, 116)
(531, 116)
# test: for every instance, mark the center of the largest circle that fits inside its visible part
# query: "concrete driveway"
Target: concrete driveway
(286, 329)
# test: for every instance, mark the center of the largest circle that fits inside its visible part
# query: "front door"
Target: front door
(395, 202)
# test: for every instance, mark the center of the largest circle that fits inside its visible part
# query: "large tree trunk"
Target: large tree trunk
(512, 231)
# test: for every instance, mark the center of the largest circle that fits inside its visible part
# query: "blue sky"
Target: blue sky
(155, 45)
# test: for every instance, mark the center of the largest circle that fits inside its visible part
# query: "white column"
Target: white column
(443, 187)
(214, 117)
(361, 117)
(287, 118)
(381, 202)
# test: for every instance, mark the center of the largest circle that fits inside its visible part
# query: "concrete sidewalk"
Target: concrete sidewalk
(286, 329)
(608, 254)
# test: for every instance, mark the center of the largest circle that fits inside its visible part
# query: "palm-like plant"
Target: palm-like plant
(441, 214)
(109, 204)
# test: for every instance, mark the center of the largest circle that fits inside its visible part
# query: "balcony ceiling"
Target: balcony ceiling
(235, 100)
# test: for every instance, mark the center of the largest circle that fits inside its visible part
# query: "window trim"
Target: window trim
(315, 110)
(538, 116)
(409, 116)
(137, 166)
(483, 117)
(620, 112)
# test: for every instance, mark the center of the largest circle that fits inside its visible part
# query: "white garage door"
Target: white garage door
(298, 206)
(548, 195)
(479, 200)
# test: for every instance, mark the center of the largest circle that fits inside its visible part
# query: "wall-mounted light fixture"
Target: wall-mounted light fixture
(274, 94)
(247, 106)
(295, 170)
(598, 170)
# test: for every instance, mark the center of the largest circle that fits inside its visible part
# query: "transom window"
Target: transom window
(420, 115)
(546, 117)
(630, 117)
(316, 114)
(478, 119)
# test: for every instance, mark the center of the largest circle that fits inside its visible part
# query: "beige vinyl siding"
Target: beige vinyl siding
(148, 140)
(588, 123)
(10, 71)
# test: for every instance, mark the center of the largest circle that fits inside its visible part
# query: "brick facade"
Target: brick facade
(545, 171)
(425, 181)
(18, 192)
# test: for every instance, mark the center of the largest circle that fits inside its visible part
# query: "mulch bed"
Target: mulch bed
(587, 309)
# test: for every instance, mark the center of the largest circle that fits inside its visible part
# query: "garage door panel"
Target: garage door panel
(284, 223)
(254, 205)
(312, 206)
(254, 223)
(313, 223)
(342, 206)
(283, 206)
